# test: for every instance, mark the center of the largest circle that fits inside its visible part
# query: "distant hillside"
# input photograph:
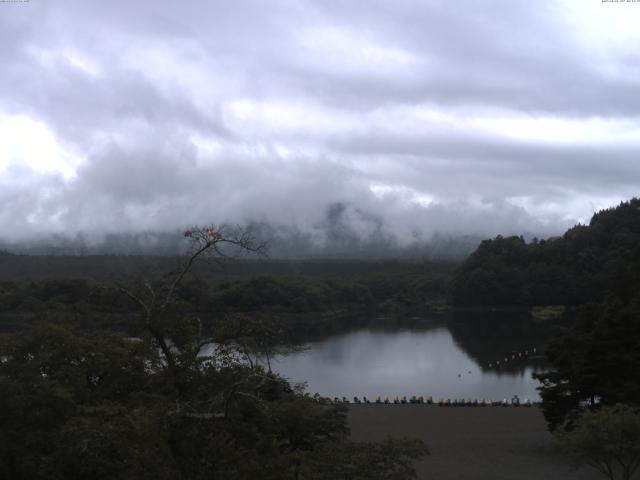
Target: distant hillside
(585, 264)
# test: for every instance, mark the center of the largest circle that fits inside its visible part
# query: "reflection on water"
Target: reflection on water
(442, 359)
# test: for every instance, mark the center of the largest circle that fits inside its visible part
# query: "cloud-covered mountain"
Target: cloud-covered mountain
(419, 117)
(344, 232)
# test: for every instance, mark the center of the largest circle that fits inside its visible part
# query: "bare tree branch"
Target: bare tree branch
(209, 241)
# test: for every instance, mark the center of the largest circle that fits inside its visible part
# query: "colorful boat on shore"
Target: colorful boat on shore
(422, 400)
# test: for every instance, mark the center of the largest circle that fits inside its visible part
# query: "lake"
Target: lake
(454, 356)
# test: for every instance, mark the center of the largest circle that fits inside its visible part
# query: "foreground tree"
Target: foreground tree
(257, 340)
(596, 362)
(607, 439)
(80, 404)
(181, 339)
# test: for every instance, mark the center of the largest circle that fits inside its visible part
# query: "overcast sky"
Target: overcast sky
(467, 116)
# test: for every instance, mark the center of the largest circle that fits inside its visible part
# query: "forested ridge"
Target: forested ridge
(586, 264)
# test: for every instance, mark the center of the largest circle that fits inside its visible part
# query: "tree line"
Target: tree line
(586, 264)
(396, 290)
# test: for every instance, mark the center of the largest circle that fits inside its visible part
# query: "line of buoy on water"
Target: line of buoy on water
(403, 400)
(514, 356)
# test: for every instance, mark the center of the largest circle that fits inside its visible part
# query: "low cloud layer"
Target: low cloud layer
(414, 117)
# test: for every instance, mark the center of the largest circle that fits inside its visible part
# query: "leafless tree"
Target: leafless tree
(214, 243)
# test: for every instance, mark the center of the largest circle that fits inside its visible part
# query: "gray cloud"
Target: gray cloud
(276, 111)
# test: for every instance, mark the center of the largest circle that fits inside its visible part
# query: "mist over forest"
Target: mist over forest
(344, 232)
(285, 244)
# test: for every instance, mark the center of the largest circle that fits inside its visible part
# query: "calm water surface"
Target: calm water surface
(442, 359)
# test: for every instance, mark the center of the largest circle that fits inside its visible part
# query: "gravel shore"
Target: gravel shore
(480, 443)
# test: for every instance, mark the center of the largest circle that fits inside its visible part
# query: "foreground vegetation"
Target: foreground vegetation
(79, 404)
(82, 403)
(607, 440)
